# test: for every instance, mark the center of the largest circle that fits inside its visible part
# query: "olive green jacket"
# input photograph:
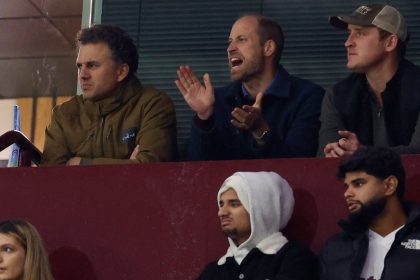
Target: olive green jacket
(107, 131)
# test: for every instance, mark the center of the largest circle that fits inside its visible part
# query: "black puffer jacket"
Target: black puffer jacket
(343, 256)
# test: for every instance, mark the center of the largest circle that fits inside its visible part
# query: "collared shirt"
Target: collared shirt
(271, 87)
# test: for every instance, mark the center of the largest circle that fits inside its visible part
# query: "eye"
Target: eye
(8, 249)
(236, 204)
(92, 65)
(358, 183)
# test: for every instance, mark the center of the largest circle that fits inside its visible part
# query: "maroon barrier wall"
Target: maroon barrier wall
(159, 221)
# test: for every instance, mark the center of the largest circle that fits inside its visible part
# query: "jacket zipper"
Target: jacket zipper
(101, 127)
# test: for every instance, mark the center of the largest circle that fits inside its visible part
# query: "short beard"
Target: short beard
(231, 233)
(367, 213)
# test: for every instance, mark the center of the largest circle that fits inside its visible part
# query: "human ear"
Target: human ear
(122, 71)
(391, 42)
(391, 184)
(269, 47)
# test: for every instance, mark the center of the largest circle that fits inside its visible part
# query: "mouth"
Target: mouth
(235, 62)
(352, 206)
(225, 222)
(85, 86)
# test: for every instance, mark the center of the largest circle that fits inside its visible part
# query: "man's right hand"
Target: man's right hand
(346, 145)
(135, 152)
(200, 98)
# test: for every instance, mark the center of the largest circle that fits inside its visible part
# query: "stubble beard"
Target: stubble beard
(253, 68)
(230, 232)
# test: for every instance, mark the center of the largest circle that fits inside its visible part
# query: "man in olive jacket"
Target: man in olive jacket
(116, 120)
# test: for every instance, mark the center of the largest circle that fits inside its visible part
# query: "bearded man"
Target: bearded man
(381, 238)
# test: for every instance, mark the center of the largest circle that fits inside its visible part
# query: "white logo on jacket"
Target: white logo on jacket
(411, 244)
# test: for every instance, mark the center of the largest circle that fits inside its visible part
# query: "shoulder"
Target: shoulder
(71, 106)
(410, 67)
(297, 249)
(412, 209)
(151, 96)
(150, 92)
(292, 257)
(299, 90)
(301, 83)
(352, 81)
(294, 84)
(336, 245)
(210, 271)
(410, 76)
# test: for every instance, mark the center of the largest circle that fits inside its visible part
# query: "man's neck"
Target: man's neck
(261, 82)
(392, 218)
(380, 75)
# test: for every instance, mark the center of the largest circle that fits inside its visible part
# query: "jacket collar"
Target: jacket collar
(125, 91)
(269, 246)
(279, 87)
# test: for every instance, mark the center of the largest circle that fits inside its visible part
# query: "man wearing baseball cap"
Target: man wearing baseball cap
(378, 104)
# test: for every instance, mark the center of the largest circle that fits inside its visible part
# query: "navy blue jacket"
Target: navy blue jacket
(291, 107)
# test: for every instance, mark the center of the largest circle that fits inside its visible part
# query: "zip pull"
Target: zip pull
(90, 135)
(380, 112)
(101, 121)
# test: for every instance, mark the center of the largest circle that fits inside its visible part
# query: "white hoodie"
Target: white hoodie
(269, 200)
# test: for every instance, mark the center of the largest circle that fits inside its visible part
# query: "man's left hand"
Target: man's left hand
(249, 117)
(348, 142)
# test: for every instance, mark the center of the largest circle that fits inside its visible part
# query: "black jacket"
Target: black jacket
(293, 262)
(348, 107)
(343, 256)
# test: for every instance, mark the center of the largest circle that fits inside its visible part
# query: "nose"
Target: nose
(348, 193)
(222, 212)
(349, 42)
(231, 47)
(83, 73)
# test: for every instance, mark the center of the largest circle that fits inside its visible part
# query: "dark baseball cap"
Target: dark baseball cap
(384, 17)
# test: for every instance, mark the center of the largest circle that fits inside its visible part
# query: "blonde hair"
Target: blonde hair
(36, 260)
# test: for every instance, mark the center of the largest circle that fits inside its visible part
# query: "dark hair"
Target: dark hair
(268, 29)
(380, 162)
(401, 46)
(122, 46)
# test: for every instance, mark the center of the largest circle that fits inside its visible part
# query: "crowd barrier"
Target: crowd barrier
(159, 221)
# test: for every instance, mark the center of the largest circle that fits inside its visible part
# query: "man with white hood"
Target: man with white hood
(253, 207)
